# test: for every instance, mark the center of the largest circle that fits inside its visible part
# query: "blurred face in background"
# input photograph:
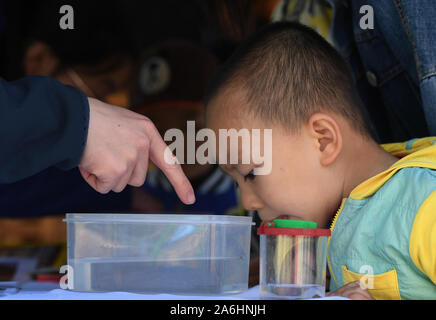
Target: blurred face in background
(102, 80)
(166, 117)
(170, 81)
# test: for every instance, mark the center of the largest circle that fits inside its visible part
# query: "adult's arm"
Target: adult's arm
(43, 123)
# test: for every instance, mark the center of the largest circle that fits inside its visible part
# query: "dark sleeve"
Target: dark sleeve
(43, 123)
(418, 18)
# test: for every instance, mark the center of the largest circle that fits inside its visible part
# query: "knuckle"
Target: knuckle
(150, 128)
(143, 143)
(103, 189)
(120, 169)
(117, 189)
(148, 124)
(137, 182)
(131, 159)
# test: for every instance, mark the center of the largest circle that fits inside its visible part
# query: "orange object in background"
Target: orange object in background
(119, 98)
(30, 231)
(264, 8)
(49, 278)
(41, 239)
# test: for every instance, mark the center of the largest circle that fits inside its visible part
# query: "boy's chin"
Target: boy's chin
(286, 217)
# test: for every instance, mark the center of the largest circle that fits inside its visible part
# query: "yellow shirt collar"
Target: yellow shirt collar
(420, 153)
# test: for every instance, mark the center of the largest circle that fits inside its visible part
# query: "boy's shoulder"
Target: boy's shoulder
(409, 186)
(393, 228)
(389, 210)
(419, 192)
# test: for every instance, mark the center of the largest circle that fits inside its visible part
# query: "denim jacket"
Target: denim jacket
(394, 64)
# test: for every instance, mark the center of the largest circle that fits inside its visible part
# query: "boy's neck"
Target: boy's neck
(365, 160)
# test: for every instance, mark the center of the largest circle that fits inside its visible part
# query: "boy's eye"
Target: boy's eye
(249, 176)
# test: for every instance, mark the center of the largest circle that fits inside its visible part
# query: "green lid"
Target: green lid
(295, 224)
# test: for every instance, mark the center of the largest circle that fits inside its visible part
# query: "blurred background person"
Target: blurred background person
(170, 84)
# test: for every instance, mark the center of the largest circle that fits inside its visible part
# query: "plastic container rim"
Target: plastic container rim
(158, 218)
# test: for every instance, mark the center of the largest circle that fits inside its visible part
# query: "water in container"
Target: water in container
(159, 253)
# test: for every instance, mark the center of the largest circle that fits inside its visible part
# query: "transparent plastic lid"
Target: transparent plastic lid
(156, 218)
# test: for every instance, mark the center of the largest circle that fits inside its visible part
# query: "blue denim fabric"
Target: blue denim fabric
(419, 17)
(398, 57)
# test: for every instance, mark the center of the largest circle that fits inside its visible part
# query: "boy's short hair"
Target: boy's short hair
(288, 72)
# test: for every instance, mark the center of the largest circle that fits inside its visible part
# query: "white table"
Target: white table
(51, 291)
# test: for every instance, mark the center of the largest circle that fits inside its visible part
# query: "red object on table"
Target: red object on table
(48, 277)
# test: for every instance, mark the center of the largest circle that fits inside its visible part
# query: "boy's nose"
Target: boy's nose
(249, 200)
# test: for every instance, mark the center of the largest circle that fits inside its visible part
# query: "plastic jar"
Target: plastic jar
(293, 259)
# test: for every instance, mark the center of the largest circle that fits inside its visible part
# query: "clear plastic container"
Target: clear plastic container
(159, 253)
(293, 258)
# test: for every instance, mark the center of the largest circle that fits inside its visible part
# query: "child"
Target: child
(326, 165)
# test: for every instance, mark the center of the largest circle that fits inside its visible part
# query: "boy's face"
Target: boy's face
(298, 185)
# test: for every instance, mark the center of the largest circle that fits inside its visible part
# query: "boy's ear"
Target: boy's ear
(39, 60)
(328, 138)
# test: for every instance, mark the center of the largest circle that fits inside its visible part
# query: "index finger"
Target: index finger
(173, 171)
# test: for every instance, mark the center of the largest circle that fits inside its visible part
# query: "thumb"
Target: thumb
(94, 182)
(89, 178)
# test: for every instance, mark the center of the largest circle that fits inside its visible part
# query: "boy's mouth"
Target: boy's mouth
(283, 217)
